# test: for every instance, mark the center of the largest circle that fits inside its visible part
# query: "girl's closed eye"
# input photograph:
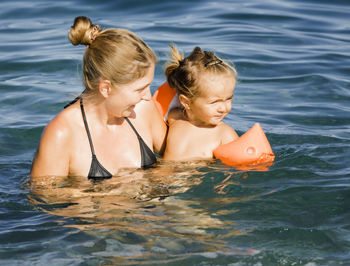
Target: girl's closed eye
(221, 100)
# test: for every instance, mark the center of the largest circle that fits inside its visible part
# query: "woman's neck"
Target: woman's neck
(98, 111)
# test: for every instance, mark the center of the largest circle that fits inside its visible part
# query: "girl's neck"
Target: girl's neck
(197, 122)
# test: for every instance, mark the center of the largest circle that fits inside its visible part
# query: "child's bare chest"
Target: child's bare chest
(200, 142)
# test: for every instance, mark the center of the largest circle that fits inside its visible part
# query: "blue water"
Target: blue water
(293, 60)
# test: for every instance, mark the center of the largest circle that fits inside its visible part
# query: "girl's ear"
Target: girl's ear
(185, 101)
(104, 88)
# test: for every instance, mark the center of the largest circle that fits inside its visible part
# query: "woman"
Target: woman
(113, 124)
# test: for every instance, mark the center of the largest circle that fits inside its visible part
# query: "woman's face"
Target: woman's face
(123, 98)
(214, 101)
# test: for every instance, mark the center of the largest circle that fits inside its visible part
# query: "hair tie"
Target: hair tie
(213, 62)
(93, 33)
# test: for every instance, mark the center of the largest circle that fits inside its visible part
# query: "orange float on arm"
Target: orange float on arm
(165, 98)
(252, 148)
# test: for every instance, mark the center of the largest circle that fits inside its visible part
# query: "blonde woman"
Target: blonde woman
(113, 124)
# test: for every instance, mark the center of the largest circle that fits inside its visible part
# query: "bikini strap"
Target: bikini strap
(87, 127)
(147, 156)
(133, 128)
(72, 102)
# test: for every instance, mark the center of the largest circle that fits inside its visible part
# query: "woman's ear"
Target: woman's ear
(185, 101)
(104, 88)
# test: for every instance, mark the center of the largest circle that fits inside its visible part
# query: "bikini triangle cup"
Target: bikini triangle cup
(251, 151)
(97, 171)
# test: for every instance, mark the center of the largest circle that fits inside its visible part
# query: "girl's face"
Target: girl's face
(214, 101)
(123, 98)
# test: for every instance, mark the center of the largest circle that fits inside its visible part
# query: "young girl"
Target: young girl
(205, 86)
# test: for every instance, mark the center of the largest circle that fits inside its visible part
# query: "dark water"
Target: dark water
(293, 60)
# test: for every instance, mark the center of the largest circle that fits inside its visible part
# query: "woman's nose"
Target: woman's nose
(146, 96)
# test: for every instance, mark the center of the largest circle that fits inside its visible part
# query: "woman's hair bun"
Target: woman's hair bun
(83, 31)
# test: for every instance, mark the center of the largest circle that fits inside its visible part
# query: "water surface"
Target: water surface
(293, 62)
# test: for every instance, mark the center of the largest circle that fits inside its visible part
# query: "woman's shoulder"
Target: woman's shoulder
(145, 109)
(147, 113)
(52, 156)
(62, 125)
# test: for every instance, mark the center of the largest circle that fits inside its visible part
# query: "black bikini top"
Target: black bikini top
(97, 171)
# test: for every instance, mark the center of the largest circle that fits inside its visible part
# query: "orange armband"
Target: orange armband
(165, 98)
(252, 148)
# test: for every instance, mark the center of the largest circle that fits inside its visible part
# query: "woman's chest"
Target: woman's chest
(114, 149)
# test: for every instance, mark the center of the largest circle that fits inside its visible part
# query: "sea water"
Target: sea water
(293, 60)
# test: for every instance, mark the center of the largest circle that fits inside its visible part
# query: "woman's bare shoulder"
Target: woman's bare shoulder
(52, 156)
(145, 110)
(63, 124)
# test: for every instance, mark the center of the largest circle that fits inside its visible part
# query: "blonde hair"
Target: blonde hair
(117, 55)
(183, 73)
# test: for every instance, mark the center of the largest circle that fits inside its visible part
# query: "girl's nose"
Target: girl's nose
(222, 108)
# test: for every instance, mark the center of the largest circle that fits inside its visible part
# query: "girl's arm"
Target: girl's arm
(228, 134)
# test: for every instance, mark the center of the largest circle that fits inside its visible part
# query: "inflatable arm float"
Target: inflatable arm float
(252, 148)
(164, 99)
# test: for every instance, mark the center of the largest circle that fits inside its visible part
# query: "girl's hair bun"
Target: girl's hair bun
(177, 61)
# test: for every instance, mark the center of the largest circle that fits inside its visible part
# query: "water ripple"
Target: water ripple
(293, 61)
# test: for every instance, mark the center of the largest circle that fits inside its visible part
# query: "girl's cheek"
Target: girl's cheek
(229, 106)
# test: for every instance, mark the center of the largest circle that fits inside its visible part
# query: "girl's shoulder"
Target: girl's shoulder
(227, 133)
(176, 114)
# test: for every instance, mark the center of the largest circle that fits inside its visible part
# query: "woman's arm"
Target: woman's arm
(52, 156)
(175, 148)
(159, 129)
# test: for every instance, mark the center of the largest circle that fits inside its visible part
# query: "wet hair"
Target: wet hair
(114, 54)
(184, 73)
